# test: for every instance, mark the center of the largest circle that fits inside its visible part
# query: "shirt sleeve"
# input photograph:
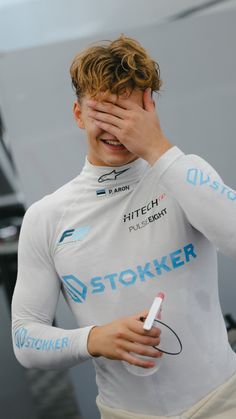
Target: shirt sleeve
(209, 204)
(36, 343)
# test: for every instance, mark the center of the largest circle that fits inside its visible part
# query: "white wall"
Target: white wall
(30, 23)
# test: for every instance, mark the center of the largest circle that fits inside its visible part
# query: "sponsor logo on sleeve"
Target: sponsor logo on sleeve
(24, 341)
(197, 177)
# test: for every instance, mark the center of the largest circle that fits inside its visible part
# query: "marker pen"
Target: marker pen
(154, 311)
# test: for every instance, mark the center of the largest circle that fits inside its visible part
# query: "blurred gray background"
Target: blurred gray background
(41, 147)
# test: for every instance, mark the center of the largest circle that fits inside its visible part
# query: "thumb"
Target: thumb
(148, 102)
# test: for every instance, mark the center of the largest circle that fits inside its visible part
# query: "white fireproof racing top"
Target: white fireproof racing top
(111, 239)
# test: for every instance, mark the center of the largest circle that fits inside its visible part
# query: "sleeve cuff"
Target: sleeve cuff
(83, 353)
(166, 160)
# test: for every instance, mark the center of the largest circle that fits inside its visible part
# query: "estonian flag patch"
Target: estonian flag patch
(100, 192)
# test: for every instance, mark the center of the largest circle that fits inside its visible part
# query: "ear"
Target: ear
(153, 101)
(78, 114)
(148, 102)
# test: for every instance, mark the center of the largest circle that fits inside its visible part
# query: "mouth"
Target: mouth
(113, 144)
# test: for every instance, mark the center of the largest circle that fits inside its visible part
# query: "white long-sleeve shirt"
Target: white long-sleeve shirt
(111, 239)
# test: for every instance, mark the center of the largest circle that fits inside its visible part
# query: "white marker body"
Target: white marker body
(153, 313)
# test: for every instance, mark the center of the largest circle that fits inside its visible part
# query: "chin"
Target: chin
(120, 160)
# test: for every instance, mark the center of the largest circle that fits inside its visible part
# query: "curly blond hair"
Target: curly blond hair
(116, 66)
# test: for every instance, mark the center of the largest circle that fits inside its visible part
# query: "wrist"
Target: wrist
(92, 342)
(158, 150)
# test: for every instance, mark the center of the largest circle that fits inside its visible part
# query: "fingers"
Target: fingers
(107, 107)
(131, 359)
(105, 117)
(143, 313)
(125, 103)
(129, 351)
(108, 128)
(138, 362)
(144, 340)
(114, 104)
(143, 350)
(137, 327)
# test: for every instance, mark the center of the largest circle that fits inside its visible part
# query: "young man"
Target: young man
(141, 218)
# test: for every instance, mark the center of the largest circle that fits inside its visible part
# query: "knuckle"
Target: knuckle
(119, 334)
(157, 341)
(148, 341)
(142, 351)
(126, 127)
(156, 332)
(110, 108)
(117, 343)
(118, 353)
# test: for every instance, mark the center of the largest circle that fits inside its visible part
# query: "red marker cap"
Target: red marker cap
(161, 295)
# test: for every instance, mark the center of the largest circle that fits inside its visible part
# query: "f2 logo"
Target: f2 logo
(75, 234)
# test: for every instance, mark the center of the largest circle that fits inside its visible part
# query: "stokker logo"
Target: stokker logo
(24, 340)
(75, 288)
(111, 175)
(79, 291)
(197, 177)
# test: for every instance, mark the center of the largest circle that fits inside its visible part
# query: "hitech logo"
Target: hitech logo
(197, 177)
(111, 175)
(145, 209)
(73, 235)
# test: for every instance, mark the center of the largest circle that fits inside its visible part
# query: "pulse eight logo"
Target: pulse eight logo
(197, 177)
(73, 235)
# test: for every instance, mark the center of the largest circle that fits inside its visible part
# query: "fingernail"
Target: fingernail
(152, 365)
